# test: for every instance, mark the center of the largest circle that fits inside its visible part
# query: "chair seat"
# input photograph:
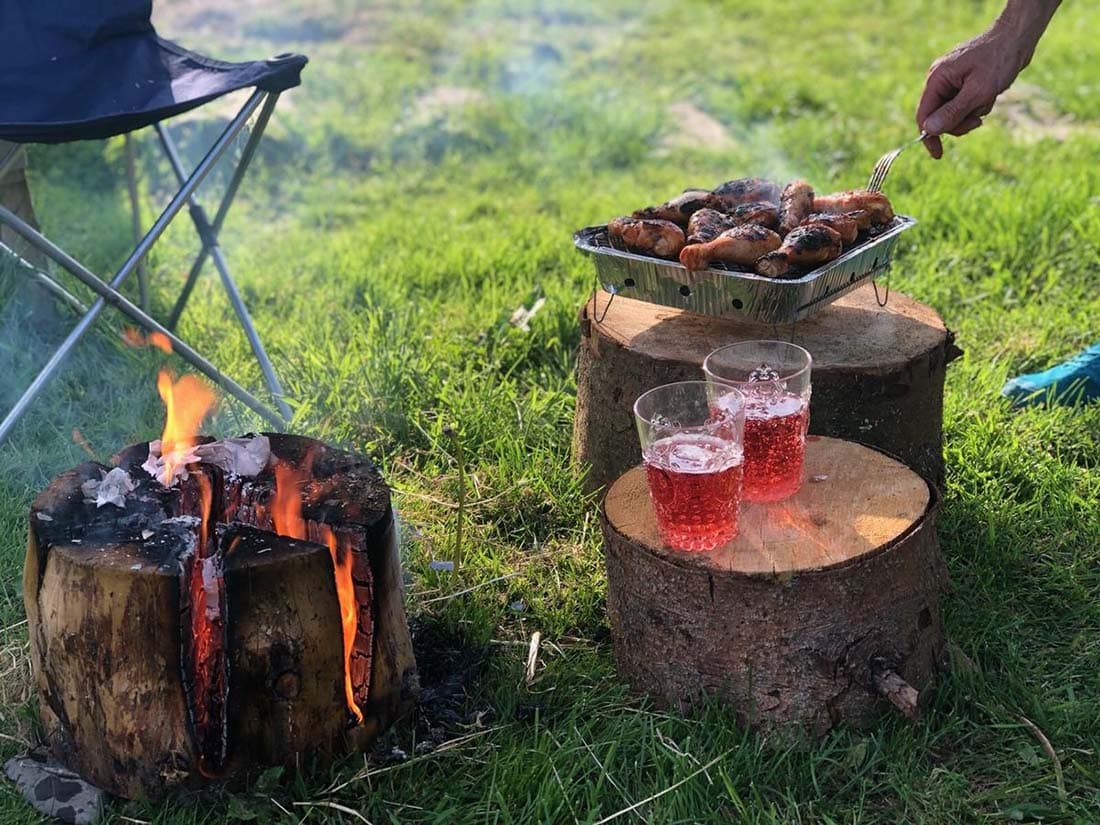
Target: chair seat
(121, 83)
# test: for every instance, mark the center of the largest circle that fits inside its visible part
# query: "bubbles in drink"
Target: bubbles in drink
(695, 483)
(764, 373)
(775, 445)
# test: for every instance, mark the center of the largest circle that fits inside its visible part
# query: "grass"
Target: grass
(383, 241)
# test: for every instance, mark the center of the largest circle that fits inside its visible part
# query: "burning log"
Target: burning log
(225, 623)
(821, 612)
(878, 373)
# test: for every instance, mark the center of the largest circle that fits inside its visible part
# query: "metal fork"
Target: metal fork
(882, 168)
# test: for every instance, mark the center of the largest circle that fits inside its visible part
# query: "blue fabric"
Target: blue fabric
(1076, 381)
(90, 69)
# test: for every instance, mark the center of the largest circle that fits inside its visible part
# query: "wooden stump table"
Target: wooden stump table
(878, 373)
(824, 606)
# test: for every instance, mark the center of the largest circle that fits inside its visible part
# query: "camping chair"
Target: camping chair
(82, 70)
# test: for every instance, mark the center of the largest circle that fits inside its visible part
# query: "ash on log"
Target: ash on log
(187, 636)
(878, 373)
(822, 610)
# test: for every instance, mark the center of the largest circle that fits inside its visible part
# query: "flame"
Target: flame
(286, 506)
(345, 592)
(286, 513)
(134, 338)
(186, 401)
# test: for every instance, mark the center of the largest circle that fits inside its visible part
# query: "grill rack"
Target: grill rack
(728, 291)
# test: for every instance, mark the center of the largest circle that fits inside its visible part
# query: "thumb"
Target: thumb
(954, 111)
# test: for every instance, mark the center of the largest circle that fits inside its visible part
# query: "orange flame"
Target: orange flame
(286, 513)
(134, 338)
(345, 593)
(187, 402)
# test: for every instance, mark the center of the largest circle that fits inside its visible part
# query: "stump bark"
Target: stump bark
(824, 608)
(878, 373)
(123, 698)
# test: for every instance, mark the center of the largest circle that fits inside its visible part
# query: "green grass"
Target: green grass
(383, 244)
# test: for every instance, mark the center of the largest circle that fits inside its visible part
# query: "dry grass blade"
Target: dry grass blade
(335, 806)
(1048, 748)
(667, 790)
(443, 748)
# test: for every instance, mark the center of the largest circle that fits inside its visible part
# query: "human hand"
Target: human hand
(963, 85)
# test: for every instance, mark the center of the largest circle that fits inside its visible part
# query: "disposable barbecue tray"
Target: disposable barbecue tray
(727, 291)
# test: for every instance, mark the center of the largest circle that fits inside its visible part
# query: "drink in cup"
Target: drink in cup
(774, 380)
(693, 461)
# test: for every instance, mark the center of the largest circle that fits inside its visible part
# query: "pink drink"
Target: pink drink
(775, 443)
(695, 483)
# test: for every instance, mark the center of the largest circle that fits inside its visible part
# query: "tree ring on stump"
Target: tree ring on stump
(798, 622)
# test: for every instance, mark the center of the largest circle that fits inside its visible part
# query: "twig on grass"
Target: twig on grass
(532, 657)
(669, 789)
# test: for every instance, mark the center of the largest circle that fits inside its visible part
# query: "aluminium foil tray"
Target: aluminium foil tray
(733, 293)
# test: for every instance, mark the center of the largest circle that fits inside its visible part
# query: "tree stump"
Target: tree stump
(824, 607)
(878, 373)
(179, 638)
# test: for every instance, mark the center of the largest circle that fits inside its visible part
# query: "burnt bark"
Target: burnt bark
(111, 614)
(878, 374)
(798, 649)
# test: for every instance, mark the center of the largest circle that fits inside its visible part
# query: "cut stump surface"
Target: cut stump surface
(825, 606)
(878, 373)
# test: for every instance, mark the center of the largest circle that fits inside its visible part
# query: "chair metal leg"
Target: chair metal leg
(108, 294)
(209, 239)
(8, 159)
(135, 220)
(227, 200)
(109, 291)
(45, 280)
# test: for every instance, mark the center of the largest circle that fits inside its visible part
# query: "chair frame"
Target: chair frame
(108, 291)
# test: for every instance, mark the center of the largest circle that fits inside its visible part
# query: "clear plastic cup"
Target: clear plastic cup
(693, 459)
(774, 380)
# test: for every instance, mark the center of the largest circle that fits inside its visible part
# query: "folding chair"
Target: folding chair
(80, 70)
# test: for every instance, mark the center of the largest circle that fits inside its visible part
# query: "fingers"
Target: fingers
(934, 146)
(938, 89)
(971, 123)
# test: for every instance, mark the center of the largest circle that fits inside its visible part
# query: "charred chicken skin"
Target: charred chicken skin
(741, 245)
(734, 193)
(804, 246)
(680, 209)
(661, 239)
(707, 224)
(876, 204)
(761, 212)
(846, 225)
(796, 202)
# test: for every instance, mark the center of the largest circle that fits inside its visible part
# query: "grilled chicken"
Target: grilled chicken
(846, 225)
(662, 239)
(747, 190)
(876, 204)
(741, 245)
(795, 204)
(707, 224)
(760, 212)
(804, 246)
(680, 209)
